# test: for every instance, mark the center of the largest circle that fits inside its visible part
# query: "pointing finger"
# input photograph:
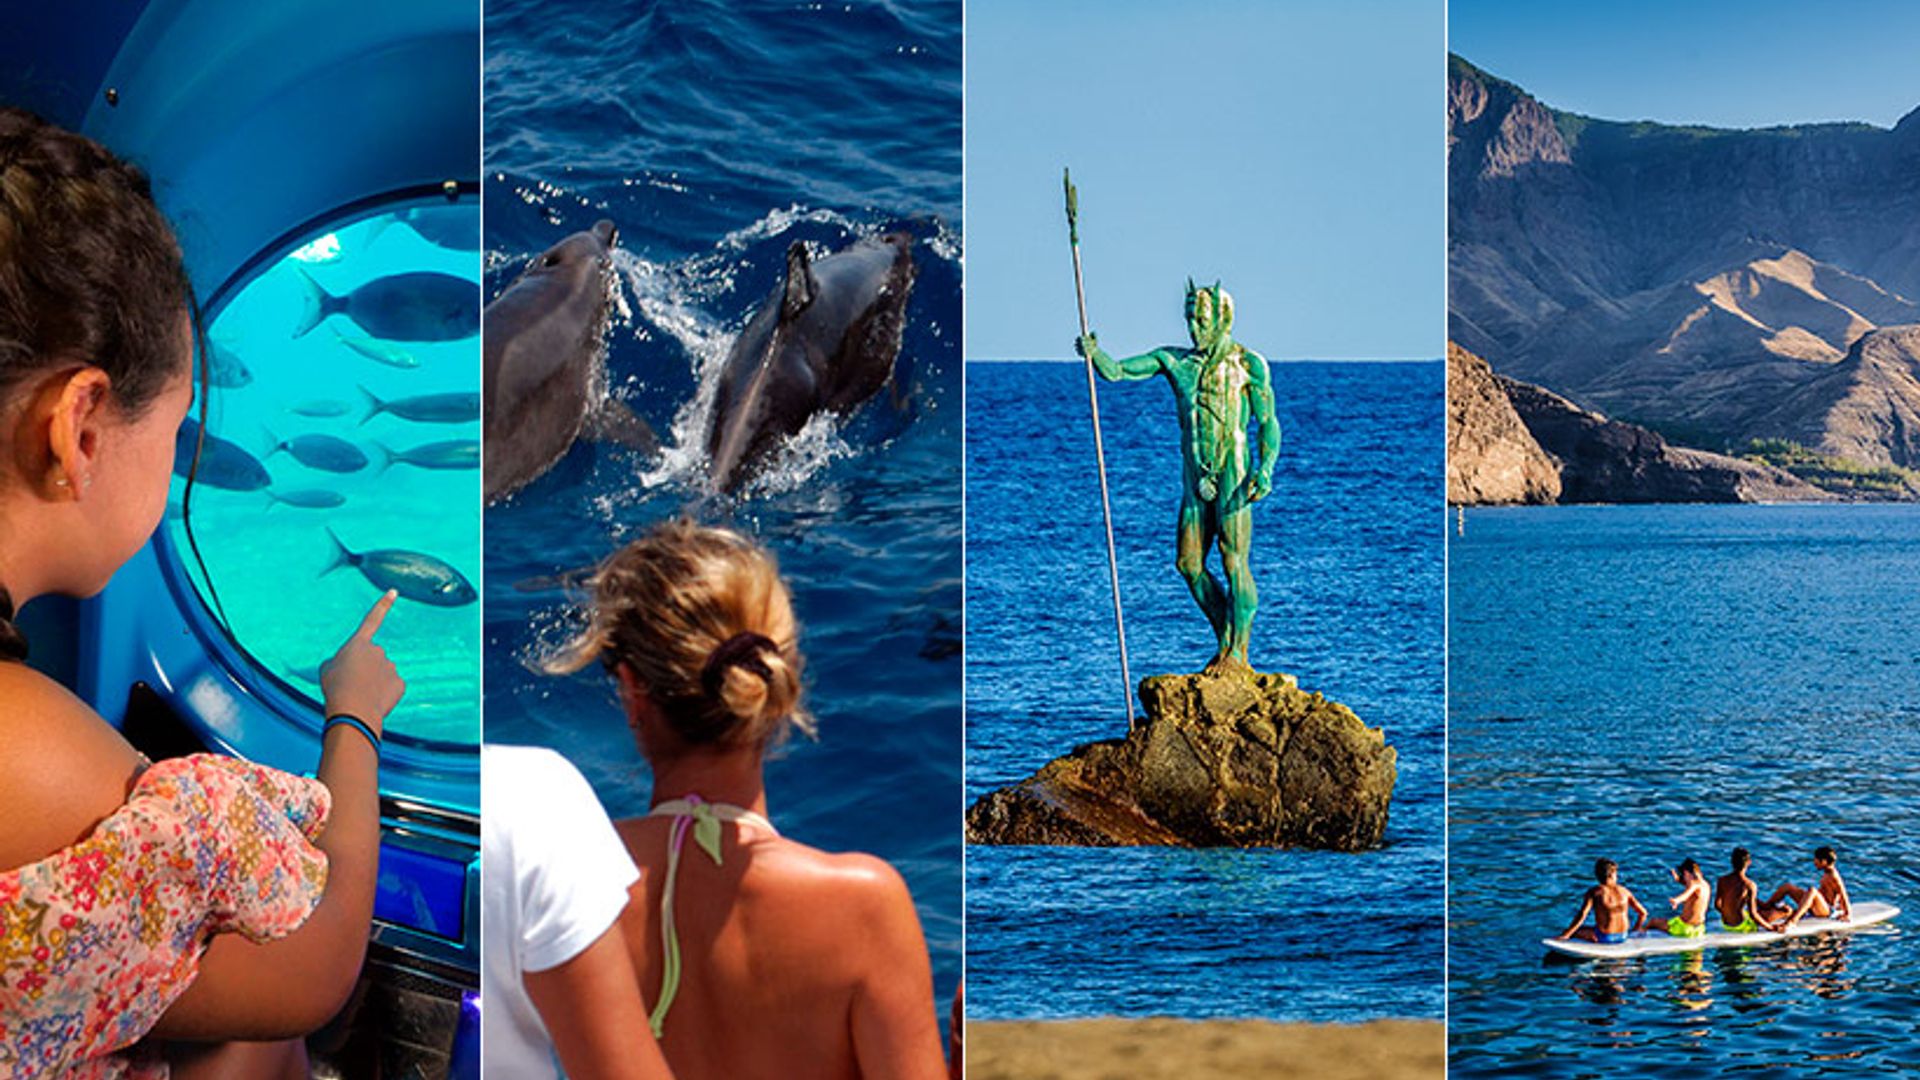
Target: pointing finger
(376, 615)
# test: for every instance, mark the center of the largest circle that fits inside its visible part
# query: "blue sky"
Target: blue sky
(1752, 64)
(1294, 150)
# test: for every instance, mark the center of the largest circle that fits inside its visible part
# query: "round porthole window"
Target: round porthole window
(341, 458)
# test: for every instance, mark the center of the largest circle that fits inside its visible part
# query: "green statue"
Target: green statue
(1220, 387)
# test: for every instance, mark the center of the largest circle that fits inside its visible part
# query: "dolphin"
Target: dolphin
(544, 363)
(824, 341)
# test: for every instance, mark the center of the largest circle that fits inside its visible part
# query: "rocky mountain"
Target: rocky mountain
(1491, 457)
(1865, 408)
(1606, 461)
(1712, 284)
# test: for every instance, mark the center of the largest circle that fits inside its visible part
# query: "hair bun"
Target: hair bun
(742, 650)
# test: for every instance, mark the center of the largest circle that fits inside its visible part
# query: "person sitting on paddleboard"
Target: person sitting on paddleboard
(1691, 903)
(1609, 902)
(1826, 900)
(1737, 898)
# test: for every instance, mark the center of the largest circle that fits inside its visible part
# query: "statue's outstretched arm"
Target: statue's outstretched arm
(1144, 366)
(1260, 391)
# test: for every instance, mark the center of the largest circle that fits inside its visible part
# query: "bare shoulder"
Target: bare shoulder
(849, 877)
(64, 769)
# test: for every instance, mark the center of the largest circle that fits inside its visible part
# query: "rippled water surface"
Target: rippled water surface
(714, 135)
(1347, 556)
(1656, 683)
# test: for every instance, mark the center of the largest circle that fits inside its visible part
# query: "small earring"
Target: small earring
(60, 481)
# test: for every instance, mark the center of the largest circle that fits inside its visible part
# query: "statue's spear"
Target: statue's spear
(1099, 451)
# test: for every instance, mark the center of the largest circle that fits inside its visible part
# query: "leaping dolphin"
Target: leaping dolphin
(545, 363)
(824, 341)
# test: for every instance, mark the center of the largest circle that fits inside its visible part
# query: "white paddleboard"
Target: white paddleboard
(1654, 942)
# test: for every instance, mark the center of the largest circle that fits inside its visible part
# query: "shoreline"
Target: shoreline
(1164, 1048)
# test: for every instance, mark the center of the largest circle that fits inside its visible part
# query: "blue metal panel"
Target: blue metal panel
(255, 118)
(52, 56)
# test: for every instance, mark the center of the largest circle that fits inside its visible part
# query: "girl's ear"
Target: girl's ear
(80, 405)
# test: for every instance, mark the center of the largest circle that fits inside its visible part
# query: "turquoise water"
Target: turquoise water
(310, 454)
(1656, 683)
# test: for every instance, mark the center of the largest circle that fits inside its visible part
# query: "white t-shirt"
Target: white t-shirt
(553, 878)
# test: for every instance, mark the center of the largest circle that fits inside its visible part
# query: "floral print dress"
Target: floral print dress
(98, 939)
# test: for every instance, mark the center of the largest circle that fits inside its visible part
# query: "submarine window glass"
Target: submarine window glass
(342, 459)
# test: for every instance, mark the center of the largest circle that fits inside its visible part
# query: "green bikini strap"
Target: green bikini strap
(706, 833)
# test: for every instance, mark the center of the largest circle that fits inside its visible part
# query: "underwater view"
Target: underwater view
(595, 112)
(341, 459)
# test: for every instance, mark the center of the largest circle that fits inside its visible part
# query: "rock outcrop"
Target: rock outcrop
(1607, 461)
(1230, 760)
(1694, 279)
(1492, 459)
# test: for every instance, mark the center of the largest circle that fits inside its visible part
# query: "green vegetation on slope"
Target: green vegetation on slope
(1836, 474)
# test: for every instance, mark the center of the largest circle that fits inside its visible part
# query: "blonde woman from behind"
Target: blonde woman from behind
(758, 955)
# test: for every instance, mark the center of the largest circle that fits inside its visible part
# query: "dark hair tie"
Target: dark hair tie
(740, 650)
(13, 644)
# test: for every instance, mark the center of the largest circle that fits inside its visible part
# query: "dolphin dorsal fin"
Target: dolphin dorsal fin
(800, 287)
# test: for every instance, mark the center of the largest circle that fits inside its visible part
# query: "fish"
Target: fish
(322, 409)
(452, 228)
(223, 464)
(381, 352)
(329, 453)
(420, 305)
(415, 575)
(452, 408)
(225, 369)
(307, 499)
(447, 454)
(826, 340)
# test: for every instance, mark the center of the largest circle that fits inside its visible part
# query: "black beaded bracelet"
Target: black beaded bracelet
(354, 722)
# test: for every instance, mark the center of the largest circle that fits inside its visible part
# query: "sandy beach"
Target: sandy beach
(1163, 1049)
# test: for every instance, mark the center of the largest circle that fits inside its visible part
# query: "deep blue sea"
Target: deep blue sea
(1656, 683)
(1347, 554)
(305, 450)
(713, 135)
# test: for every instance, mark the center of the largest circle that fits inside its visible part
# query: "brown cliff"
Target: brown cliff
(1492, 459)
